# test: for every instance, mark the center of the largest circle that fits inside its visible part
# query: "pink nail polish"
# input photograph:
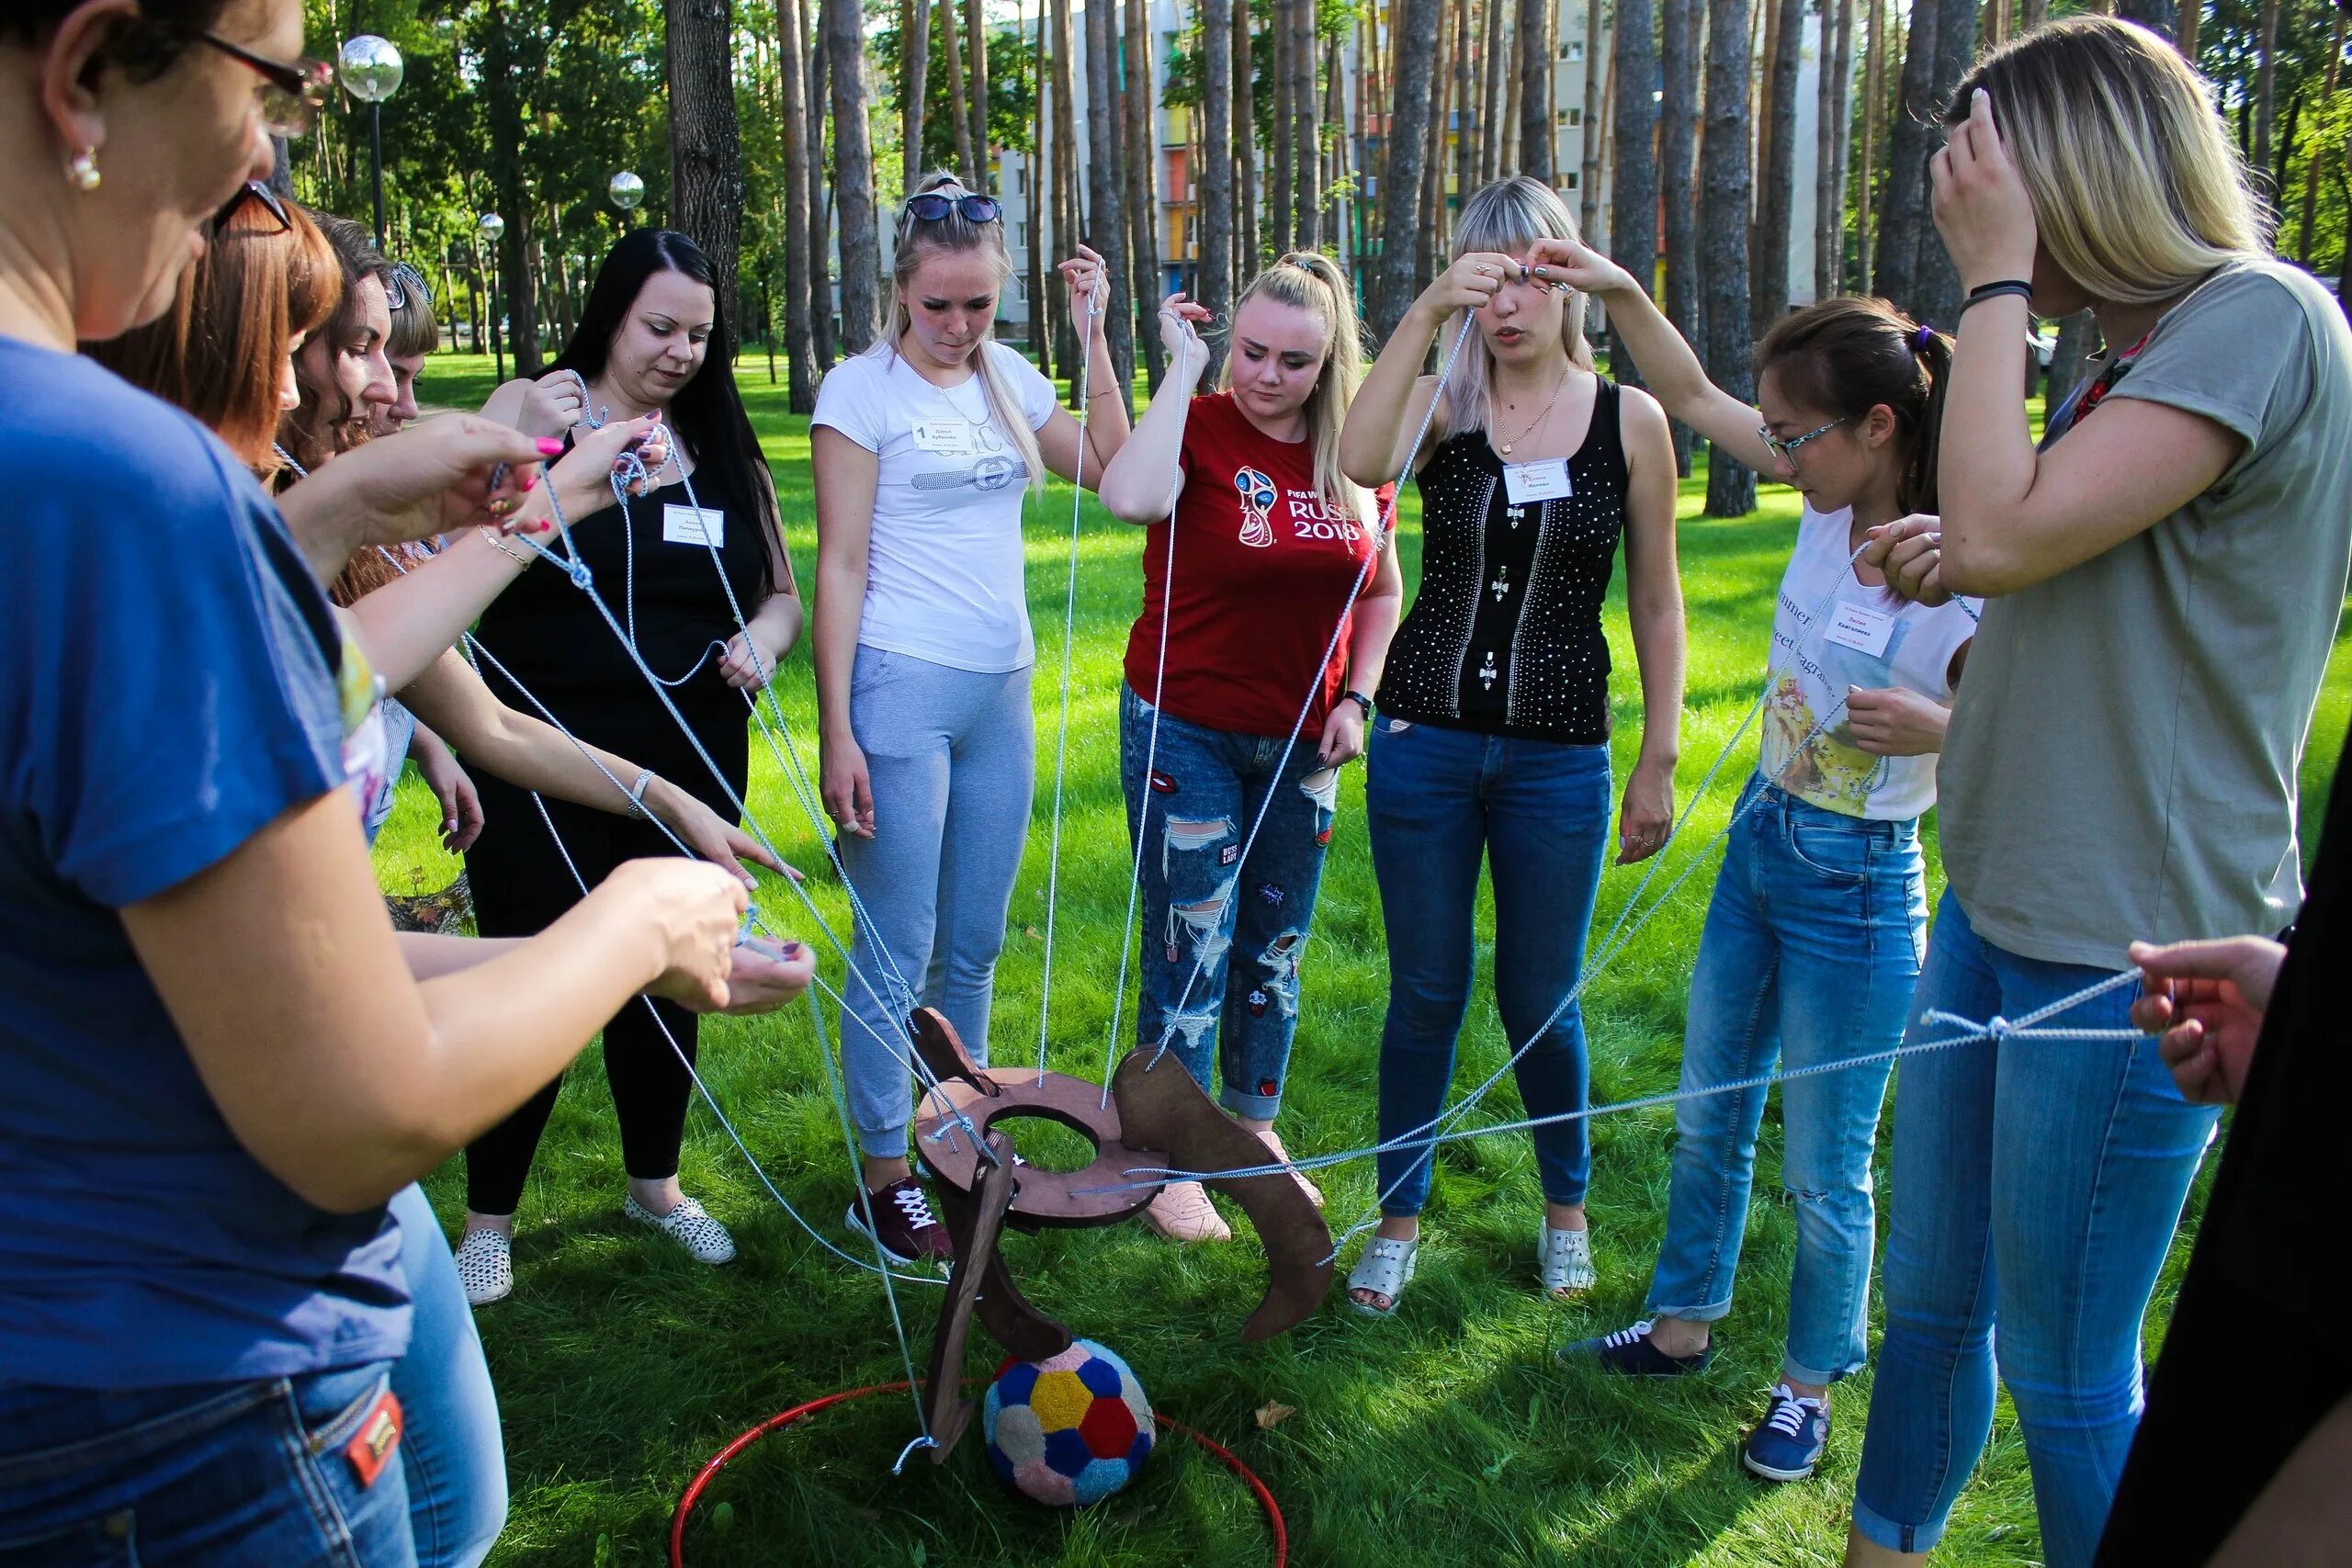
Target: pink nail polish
(550, 446)
(530, 482)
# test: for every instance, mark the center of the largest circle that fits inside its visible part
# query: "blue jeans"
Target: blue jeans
(453, 1451)
(2037, 1184)
(245, 1475)
(1809, 955)
(1199, 900)
(1538, 812)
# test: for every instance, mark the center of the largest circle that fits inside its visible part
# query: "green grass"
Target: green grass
(1445, 1436)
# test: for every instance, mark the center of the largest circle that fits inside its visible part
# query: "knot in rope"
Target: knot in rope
(1998, 1029)
(925, 1442)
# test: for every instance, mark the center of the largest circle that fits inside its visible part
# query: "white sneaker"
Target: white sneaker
(689, 1225)
(486, 1266)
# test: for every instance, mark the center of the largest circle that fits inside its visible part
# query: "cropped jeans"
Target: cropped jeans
(1538, 813)
(2036, 1186)
(1808, 957)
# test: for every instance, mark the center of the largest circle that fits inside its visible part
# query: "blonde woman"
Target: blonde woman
(1249, 625)
(1492, 741)
(924, 447)
(2163, 580)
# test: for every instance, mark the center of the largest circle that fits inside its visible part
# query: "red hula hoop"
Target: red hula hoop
(778, 1422)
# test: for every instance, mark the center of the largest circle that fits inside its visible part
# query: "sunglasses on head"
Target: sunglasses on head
(292, 92)
(259, 194)
(405, 286)
(931, 206)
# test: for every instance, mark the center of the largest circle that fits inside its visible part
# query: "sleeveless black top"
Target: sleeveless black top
(1504, 637)
(548, 634)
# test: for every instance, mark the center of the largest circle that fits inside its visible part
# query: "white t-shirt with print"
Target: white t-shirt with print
(1867, 638)
(944, 573)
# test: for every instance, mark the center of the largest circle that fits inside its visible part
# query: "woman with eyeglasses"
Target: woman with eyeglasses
(216, 1063)
(703, 546)
(1491, 738)
(925, 448)
(1812, 942)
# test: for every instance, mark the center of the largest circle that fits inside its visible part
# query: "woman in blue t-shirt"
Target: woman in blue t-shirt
(216, 1062)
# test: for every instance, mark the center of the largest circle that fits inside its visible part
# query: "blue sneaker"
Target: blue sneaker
(1630, 1352)
(1788, 1445)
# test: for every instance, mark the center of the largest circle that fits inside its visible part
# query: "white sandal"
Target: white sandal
(486, 1265)
(1385, 1269)
(1564, 1262)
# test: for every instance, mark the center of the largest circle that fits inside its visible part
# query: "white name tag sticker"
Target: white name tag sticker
(1523, 483)
(693, 525)
(949, 437)
(1862, 629)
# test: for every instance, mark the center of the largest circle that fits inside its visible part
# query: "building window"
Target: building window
(1572, 50)
(1023, 229)
(1576, 116)
(1570, 184)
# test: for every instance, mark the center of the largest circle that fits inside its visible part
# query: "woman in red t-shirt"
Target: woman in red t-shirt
(1246, 638)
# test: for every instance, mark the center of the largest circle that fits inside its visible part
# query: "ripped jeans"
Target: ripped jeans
(1201, 900)
(1809, 955)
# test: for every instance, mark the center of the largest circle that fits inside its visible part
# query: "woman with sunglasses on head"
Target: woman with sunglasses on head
(924, 448)
(1245, 621)
(703, 546)
(1812, 942)
(200, 1291)
(2164, 574)
(1492, 737)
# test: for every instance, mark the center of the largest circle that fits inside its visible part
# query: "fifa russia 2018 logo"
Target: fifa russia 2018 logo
(1258, 496)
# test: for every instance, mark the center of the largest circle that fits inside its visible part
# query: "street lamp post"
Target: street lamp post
(371, 70)
(626, 191)
(491, 228)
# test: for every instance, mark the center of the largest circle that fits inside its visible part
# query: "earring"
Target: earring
(83, 170)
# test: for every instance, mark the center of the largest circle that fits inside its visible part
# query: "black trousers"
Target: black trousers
(521, 885)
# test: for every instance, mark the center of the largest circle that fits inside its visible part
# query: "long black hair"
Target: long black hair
(708, 413)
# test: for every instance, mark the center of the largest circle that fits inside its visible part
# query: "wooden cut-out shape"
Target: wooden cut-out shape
(975, 1220)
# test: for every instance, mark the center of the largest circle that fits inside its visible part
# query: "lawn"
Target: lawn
(1447, 1435)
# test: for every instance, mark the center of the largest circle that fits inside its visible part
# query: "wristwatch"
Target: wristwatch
(1359, 699)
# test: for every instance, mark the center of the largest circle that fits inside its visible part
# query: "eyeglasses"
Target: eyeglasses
(1787, 450)
(254, 191)
(292, 93)
(406, 285)
(931, 207)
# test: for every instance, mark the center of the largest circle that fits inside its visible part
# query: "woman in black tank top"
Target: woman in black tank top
(1492, 738)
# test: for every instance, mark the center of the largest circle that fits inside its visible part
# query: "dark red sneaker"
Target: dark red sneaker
(903, 1223)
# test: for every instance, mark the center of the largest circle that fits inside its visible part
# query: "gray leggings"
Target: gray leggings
(951, 757)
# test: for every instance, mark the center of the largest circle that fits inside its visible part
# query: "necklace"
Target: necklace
(1540, 418)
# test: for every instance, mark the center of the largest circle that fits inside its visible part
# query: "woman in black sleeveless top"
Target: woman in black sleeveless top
(641, 346)
(1492, 740)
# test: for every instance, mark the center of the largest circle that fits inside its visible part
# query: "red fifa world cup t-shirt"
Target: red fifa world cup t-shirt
(1263, 564)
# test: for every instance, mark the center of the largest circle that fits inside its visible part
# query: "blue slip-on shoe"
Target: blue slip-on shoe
(1788, 1445)
(1630, 1353)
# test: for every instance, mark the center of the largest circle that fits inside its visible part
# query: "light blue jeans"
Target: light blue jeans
(452, 1450)
(1809, 955)
(951, 756)
(2036, 1186)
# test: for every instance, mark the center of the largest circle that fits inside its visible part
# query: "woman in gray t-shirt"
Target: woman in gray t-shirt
(2161, 580)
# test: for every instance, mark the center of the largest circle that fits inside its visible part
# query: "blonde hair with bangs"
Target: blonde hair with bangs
(1508, 217)
(918, 238)
(1313, 282)
(2138, 191)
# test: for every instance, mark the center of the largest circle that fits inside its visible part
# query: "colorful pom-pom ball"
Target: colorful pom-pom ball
(1069, 1430)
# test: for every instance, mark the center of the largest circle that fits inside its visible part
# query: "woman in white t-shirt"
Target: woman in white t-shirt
(924, 447)
(1813, 939)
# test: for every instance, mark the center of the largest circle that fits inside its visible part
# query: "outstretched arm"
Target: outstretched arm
(1140, 485)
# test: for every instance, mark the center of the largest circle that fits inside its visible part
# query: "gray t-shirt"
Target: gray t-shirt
(2122, 754)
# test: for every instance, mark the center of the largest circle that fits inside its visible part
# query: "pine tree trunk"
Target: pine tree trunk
(1723, 185)
(1633, 213)
(1143, 189)
(1216, 204)
(2306, 239)
(1334, 223)
(1306, 132)
(2034, 12)
(1936, 293)
(1399, 199)
(1041, 304)
(1589, 180)
(706, 152)
(1465, 90)
(1535, 138)
(1873, 120)
(1067, 223)
(824, 318)
(1249, 247)
(2185, 29)
(1677, 178)
(792, 84)
(853, 176)
(952, 45)
(1514, 89)
(1903, 207)
(1283, 165)
(975, 59)
(2265, 91)
(1436, 220)
(2158, 15)
(1767, 260)
(1829, 148)
(1490, 93)
(914, 34)
(2066, 355)
(1106, 201)
(501, 75)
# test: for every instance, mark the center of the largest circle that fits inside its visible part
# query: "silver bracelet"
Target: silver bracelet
(636, 796)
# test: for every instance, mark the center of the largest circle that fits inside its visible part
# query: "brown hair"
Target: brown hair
(312, 432)
(220, 350)
(1847, 355)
